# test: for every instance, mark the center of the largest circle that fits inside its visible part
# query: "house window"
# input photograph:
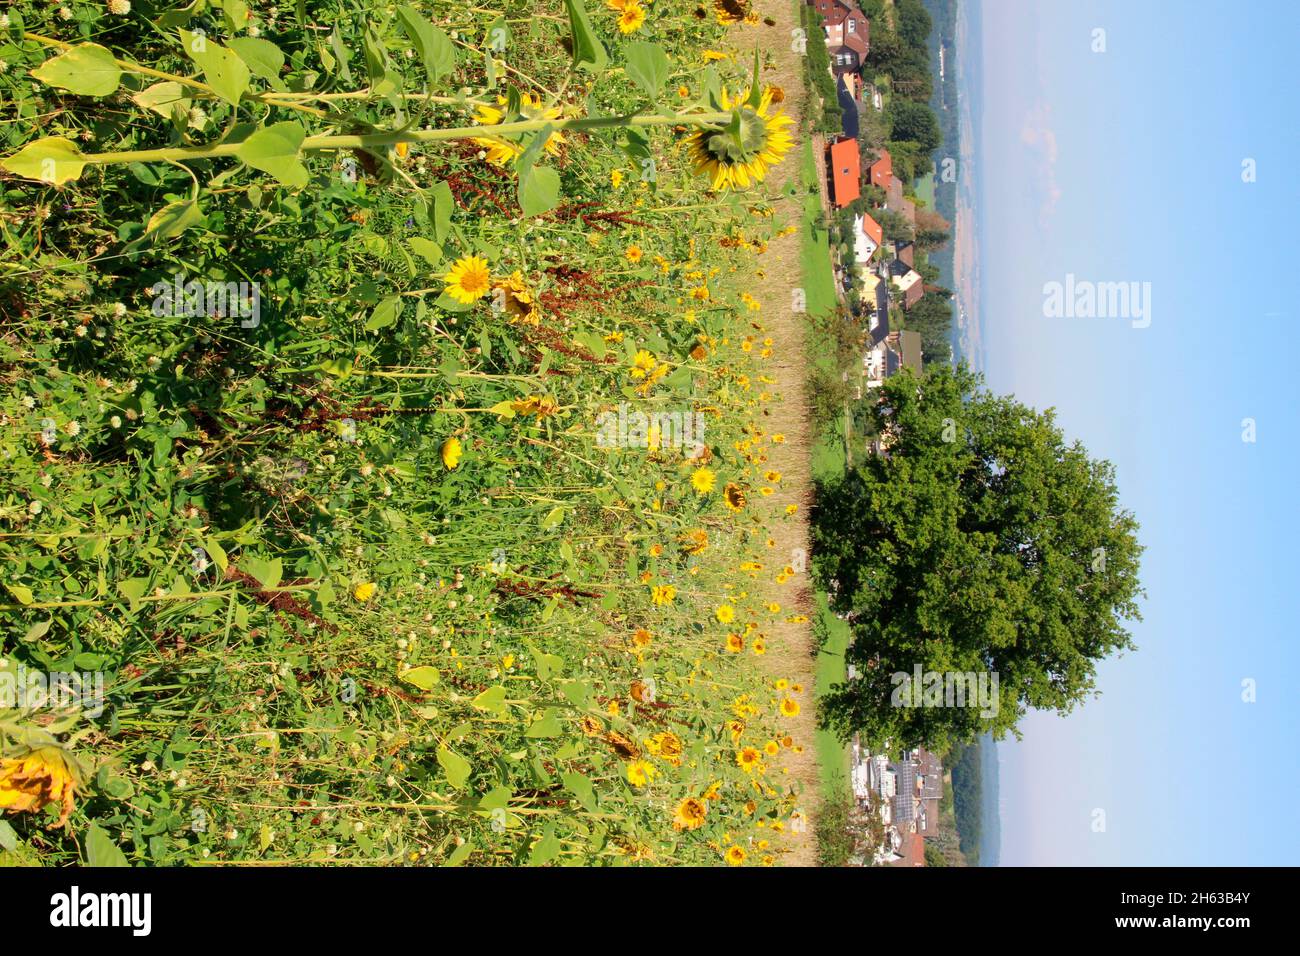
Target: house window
(853, 25)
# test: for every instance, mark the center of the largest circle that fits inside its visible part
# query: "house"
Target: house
(912, 851)
(894, 200)
(904, 253)
(907, 281)
(845, 168)
(847, 34)
(868, 236)
(929, 821)
(882, 170)
(907, 343)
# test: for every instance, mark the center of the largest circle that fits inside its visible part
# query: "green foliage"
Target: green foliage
(982, 542)
(321, 641)
(967, 797)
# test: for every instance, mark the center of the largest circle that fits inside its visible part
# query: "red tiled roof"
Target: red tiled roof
(912, 850)
(846, 171)
(872, 229)
(882, 170)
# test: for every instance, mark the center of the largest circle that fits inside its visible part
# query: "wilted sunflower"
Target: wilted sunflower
(695, 541)
(733, 497)
(736, 161)
(690, 814)
(542, 406)
(513, 297)
(501, 152)
(730, 11)
(42, 775)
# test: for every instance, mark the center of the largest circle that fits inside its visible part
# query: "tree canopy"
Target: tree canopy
(980, 542)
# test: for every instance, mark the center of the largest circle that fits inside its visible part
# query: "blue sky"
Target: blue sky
(1126, 166)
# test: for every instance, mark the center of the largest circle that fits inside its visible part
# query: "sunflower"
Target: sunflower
(690, 814)
(631, 18)
(725, 613)
(643, 363)
(733, 497)
(501, 152)
(735, 161)
(735, 643)
(641, 638)
(736, 856)
(469, 280)
(759, 647)
(662, 594)
(667, 746)
(703, 480)
(634, 254)
(747, 759)
(771, 748)
(42, 775)
(789, 707)
(451, 452)
(640, 772)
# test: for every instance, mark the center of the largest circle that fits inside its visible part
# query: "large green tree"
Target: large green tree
(982, 542)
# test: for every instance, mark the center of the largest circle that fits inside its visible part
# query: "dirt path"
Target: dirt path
(789, 653)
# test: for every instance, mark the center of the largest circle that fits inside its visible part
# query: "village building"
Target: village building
(844, 164)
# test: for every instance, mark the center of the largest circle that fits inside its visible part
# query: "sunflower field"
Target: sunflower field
(383, 411)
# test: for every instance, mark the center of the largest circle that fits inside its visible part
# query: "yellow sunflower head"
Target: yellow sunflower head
(690, 814)
(469, 279)
(503, 152)
(742, 153)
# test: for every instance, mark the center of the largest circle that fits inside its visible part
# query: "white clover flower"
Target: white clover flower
(65, 13)
(73, 428)
(34, 507)
(115, 421)
(119, 310)
(28, 402)
(119, 8)
(4, 21)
